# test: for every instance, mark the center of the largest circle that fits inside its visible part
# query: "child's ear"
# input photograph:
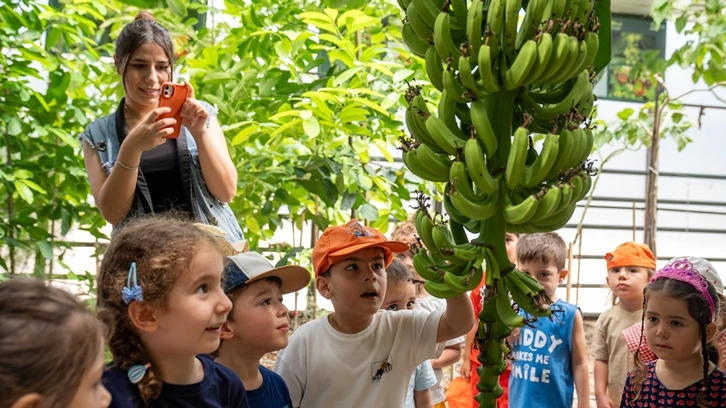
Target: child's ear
(32, 400)
(227, 333)
(322, 284)
(563, 274)
(143, 316)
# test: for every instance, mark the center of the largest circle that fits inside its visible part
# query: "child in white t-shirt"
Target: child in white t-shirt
(360, 354)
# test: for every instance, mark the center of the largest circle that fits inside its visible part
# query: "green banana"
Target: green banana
(511, 19)
(447, 113)
(557, 220)
(483, 126)
(536, 173)
(487, 77)
(436, 163)
(504, 309)
(443, 41)
(583, 12)
(516, 158)
(475, 211)
(424, 266)
(593, 43)
(544, 51)
(495, 21)
(413, 162)
(428, 10)
(419, 26)
(516, 75)
(477, 168)
(558, 57)
(451, 211)
(571, 61)
(434, 68)
(443, 136)
(532, 17)
(412, 41)
(460, 12)
(440, 290)
(455, 90)
(459, 178)
(520, 213)
(467, 79)
(548, 203)
(458, 232)
(424, 227)
(474, 29)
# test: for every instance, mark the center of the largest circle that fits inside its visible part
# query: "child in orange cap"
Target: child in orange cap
(360, 355)
(630, 266)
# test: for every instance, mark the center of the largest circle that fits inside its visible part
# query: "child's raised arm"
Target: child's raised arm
(579, 363)
(457, 320)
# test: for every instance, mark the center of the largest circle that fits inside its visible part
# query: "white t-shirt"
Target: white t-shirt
(422, 379)
(325, 368)
(433, 304)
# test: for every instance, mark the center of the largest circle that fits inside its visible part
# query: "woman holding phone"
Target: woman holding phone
(135, 165)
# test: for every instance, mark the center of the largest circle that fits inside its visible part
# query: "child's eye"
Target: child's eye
(676, 323)
(651, 319)
(203, 288)
(392, 307)
(162, 67)
(352, 267)
(409, 305)
(266, 302)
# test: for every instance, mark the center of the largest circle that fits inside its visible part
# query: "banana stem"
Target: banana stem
(500, 108)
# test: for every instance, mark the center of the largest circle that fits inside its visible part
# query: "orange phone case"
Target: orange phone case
(173, 96)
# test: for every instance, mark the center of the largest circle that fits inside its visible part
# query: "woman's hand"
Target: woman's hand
(194, 115)
(150, 132)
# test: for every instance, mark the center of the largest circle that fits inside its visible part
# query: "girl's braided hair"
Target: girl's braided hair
(163, 249)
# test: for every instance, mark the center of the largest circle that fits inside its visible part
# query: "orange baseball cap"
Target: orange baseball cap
(631, 254)
(338, 242)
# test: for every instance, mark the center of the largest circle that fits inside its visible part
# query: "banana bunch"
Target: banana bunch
(502, 85)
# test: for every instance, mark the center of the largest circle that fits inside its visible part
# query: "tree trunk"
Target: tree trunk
(650, 225)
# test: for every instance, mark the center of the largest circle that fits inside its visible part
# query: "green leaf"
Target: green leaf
(346, 75)
(177, 7)
(45, 249)
(34, 186)
(625, 113)
(402, 74)
(14, 126)
(681, 23)
(390, 100)
(252, 225)
(604, 52)
(368, 212)
(244, 134)
(311, 127)
(23, 191)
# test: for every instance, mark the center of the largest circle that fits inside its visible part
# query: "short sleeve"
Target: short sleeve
(599, 343)
(424, 377)
(424, 327)
(291, 374)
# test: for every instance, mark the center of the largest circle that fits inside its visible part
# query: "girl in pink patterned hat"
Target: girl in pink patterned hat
(679, 322)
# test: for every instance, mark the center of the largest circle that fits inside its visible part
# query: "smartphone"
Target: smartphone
(173, 96)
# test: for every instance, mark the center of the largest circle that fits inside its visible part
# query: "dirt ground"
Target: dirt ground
(269, 362)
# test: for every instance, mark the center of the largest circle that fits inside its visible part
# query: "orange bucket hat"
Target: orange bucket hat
(631, 254)
(338, 242)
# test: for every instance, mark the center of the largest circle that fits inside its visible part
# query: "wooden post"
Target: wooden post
(569, 275)
(651, 187)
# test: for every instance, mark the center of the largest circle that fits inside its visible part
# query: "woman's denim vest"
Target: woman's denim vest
(103, 136)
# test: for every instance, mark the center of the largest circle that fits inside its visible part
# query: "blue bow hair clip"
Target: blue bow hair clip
(132, 292)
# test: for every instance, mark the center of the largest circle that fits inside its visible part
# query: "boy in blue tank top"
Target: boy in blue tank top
(258, 324)
(549, 357)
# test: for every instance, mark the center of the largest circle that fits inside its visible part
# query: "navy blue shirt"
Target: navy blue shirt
(272, 393)
(220, 388)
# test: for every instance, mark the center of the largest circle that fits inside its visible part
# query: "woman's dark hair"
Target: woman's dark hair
(48, 342)
(163, 248)
(699, 309)
(143, 30)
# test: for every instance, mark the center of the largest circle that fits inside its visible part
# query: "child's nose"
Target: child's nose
(224, 305)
